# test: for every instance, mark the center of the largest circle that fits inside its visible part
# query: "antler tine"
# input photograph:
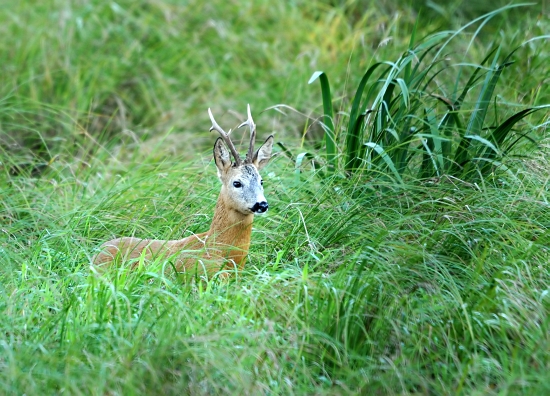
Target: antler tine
(252, 126)
(225, 137)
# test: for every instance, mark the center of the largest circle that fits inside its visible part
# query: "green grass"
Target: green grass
(355, 284)
(411, 108)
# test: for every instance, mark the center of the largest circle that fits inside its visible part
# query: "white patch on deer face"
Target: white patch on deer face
(244, 189)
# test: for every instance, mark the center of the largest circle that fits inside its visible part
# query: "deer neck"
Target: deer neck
(230, 228)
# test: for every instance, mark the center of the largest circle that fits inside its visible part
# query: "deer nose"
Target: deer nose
(260, 207)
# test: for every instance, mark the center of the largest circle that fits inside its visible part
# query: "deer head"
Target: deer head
(242, 185)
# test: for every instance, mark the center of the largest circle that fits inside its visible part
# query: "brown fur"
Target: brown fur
(224, 245)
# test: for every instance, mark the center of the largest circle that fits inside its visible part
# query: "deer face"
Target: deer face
(242, 184)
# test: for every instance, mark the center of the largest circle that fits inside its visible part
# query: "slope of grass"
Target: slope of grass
(352, 286)
(431, 289)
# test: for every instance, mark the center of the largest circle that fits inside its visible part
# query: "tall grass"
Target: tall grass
(396, 116)
(362, 284)
(414, 290)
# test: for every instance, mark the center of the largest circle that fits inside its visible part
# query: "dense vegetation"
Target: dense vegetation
(407, 246)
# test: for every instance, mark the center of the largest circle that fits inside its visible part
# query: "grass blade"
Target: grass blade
(477, 118)
(353, 145)
(499, 135)
(384, 155)
(328, 117)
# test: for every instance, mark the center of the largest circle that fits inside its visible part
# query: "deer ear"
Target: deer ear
(263, 155)
(221, 156)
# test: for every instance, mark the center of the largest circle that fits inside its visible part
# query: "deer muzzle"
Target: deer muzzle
(260, 207)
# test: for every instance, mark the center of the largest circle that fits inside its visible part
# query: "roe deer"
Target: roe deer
(227, 241)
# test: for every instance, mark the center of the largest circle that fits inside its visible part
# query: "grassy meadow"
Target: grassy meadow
(407, 245)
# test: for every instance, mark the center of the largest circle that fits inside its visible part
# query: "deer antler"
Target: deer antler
(225, 137)
(252, 126)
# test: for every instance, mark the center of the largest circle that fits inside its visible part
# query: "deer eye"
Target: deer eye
(237, 184)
